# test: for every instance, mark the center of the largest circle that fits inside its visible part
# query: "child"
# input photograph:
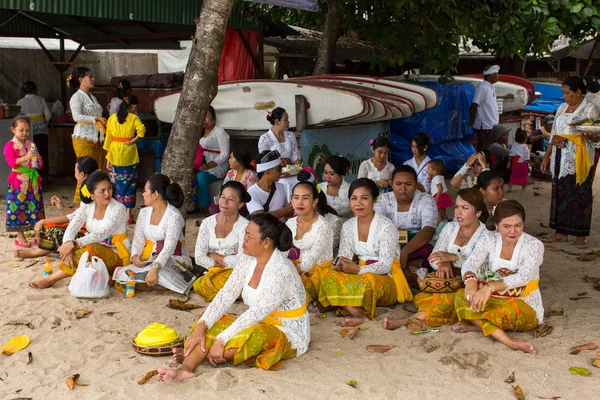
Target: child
(24, 201)
(123, 90)
(518, 161)
(122, 157)
(435, 171)
(419, 145)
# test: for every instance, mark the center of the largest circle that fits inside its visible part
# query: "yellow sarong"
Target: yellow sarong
(583, 163)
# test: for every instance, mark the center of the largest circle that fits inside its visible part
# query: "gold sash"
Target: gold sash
(117, 241)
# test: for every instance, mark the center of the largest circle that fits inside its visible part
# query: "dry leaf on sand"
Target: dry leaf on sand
(553, 313)
(148, 376)
(579, 298)
(180, 305)
(56, 323)
(511, 378)
(579, 371)
(542, 330)
(82, 313)
(597, 360)
(379, 348)
(352, 383)
(29, 358)
(519, 392)
(24, 323)
(581, 347)
(349, 333)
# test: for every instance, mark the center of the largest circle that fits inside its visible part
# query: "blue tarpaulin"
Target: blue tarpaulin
(549, 101)
(446, 125)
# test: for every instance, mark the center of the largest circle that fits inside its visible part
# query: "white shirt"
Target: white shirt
(32, 105)
(422, 212)
(259, 198)
(316, 246)
(335, 224)
(421, 171)
(287, 149)
(448, 237)
(368, 170)
(521, 150)
(438, 180)
(207, 242)
(341, 202)
(85, 108)
(487, 106)
(217, 140)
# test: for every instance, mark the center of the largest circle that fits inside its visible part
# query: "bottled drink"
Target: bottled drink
(48, 267)
(35, 162)
(130, 287)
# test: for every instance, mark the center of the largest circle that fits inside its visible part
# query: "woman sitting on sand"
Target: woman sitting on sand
(159, 238)
(506, 295)
(219, 239)
(105, 220)
(275, 327)
(376, 279)
(466, 176)
(453, 248)
(491, 186)
(50, 231)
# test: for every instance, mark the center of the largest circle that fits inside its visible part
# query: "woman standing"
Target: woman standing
(241, 169)
(377, 168)
(419, 145)
(335, 187)
(88, 134)
(572, 160)
(37, 110)
(268, 195)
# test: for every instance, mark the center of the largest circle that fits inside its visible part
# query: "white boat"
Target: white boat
(243, 105)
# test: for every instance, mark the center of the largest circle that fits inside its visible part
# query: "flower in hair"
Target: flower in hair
(68, 83)
(371, 142)
(318, 189)
(84, 191)
(269, 113)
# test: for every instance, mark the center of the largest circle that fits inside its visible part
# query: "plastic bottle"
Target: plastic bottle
(35, 160)
(130, 287)
(48, 267)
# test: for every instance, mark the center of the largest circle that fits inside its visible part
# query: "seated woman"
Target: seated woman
(377, 168)
(312, 237)
(491, 186)
(105, 220)
(466, 176)
(219, 239)
(377, 278)
(455, 245)
(159, 237)
(241, 169)
(50, 231)
(335, 187)
(506, 296)
(413, 212)
(268, 195)
(275, 327)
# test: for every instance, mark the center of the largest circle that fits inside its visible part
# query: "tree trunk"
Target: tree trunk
(331, 32)
(199, 90)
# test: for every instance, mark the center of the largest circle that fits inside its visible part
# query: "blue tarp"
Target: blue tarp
(549, 101)
(446, 125)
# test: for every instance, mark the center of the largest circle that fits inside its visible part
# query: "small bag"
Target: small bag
(499, 275)
(432, 284)
(91, 279)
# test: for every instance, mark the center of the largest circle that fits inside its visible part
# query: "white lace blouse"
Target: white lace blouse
(207, 242)
(341, 202)
(422, 212)
(316, 246)
(84, 108)
(381, 245)
(288, 149)
(448, 237)
(113, 223)
(170, 229)
(561, 126)
(218, 140)
(521, 150)
(421, 171)
(335, 224)
(280, 289)
(368, 170)
(526, 260)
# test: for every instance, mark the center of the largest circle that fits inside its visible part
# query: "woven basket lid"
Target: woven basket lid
(156, 335)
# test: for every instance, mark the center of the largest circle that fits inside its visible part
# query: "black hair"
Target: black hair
(239, 188)
(243, 157)
(266, 156)
(505, 209)
(364, 183)
(275, 115)
(29, 87)
(78, 73)
(212, 112)
(123, 110)
(339, 164)
(591, 84)
(422, 141)
(322, 207)
(20, 118)
(169, 191)
(520, 135)
(124, 87)
(270, 227)
(486, 177)
(576, 83)
(405, 169)
(438, 165)
(87, 165)
(380, 141)
(487, 155)
(91, 183)
(474, 197)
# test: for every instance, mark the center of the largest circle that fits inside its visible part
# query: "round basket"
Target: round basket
(156, 335)
(587, 129)
(433, 284)
(158, 351)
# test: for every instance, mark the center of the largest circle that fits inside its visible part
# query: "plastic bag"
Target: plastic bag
(91, 279)
(57, 110)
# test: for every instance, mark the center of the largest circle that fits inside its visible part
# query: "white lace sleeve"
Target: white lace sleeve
(479, 255)
(114, 216)
(530, 258)
(174, 227)
(381, 207)
(294, 144)
(323, 241)
(201, 251)
(77, 102)
(139, 237)
(387, 236)
(363, 170)
(78, 218)
(336, 230)
(263, 143)
(346, 239)
(226, 296)
(428, 210)
(223, 141)
(443, 241)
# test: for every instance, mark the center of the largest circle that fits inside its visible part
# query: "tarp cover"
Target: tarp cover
(446, 125)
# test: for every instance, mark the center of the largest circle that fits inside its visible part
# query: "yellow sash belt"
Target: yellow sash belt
(149, 248)
(97, 123)
(37, 117)
(117, 241)
(404, 293)
(583, 163)
(531, 286)
(295, 313)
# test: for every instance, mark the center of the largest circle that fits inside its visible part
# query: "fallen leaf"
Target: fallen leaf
(12, 265)
(591, 279)
(349, 333)
(511, 378)
(587, 257)
(179, 305)
(364, 328)
(71, 381)
(379, 348)
(596, 362)
(579, 298)
(352, 383)
(340, 352)
(543, 225)
(579, 371)
(31, 264)
(415, 324)
(148, 376)
(56, 323)
(549, 398)
(536, 194)
(82, 313)
(29, 358)
(553, 313)
(405, 308)
(519, 392)
(542, 330)
(15, 344)
(111, 313)
(24, 323)
(581, 294)
(588, 346)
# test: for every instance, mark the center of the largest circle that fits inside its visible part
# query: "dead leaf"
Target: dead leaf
(13, 265)
(148, 376)
(179, 305)
(542, 330)
(553, 313)
(111, 313)
(587, 257)
(340, 352)
(56, 323)
(591, 279)
(581, 294)
(31, 264)
(549, 398)
(29, 358)
(71, 381)
(597, 360)
(415, 324)
(579, 298)
(112, 331)
(511, 378)
(379, 348)
(24, 323)
(588, 346)
(82, 313)
(349, 333)
(518, 392)
(579, 371)
(352, 383)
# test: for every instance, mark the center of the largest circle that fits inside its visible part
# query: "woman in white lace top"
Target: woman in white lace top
(275, 327)
(159, 231)
(220, 240)
(572, 198)
(377, 168)
(106, 222)
(335, 187)
(505, 296)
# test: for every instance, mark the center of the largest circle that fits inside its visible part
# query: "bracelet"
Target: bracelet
(470, 278)
(489, 286)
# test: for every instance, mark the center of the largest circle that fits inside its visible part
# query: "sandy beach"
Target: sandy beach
(442, 365)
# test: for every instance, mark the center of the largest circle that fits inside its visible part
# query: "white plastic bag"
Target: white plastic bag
(57, 110)
(91, 279)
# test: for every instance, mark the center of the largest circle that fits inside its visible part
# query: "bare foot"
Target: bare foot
(30, 253)
(556, 238)
(525, 347)
(43, 283)
(178, 375)
(178, 355)
(354, 321)
(393, 324)
(460, 328)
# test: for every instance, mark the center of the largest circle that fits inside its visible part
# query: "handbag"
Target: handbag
(499, 275)
(91, 279)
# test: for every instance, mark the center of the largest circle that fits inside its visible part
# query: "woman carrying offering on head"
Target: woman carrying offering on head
(220, 240)
(274, 328)
(268, 195)
(335, 186)
(419, 145)
(377, 168)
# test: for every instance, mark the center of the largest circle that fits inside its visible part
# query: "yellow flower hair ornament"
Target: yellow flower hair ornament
(85, 191)
(318, 189)
(68, 82)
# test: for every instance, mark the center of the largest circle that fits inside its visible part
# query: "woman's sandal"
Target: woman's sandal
(582, 246)
(25, 245)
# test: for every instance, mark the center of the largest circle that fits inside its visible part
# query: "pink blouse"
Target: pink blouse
(248, 179)
(14, 150)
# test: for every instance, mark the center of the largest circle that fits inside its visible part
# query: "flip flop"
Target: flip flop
(25, 245)
(582, 246)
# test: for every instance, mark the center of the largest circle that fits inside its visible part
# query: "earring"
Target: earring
(478, 215)
(266, 246)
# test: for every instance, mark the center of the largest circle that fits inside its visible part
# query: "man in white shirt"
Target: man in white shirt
(484, 109)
